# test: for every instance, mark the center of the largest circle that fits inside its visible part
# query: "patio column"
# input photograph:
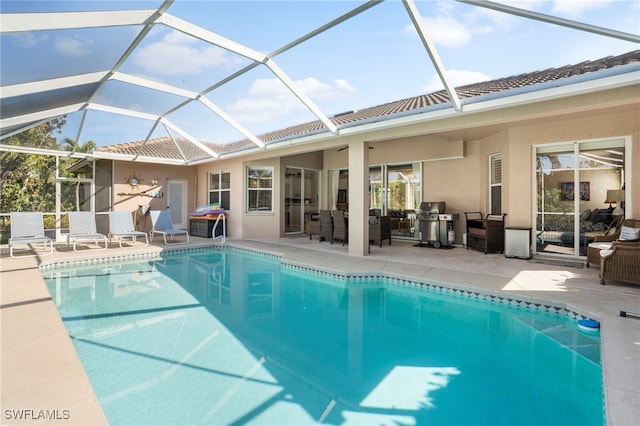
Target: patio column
(358, 198)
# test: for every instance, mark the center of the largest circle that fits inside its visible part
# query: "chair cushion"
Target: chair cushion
(604, 253)
(600, 246)
(629, 233)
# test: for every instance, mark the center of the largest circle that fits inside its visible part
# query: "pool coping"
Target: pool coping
(620, 358)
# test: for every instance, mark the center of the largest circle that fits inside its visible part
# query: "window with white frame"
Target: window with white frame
(259, 189)
(495, 183)
(220, 188)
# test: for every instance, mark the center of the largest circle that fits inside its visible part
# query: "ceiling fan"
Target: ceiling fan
(347, 147)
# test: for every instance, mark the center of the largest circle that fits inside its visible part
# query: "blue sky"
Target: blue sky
(374, 58)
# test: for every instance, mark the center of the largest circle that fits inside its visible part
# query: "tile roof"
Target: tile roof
(165, 148)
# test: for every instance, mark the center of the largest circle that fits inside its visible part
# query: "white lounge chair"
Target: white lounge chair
(121, 226)
(82, 227)
(162, 224)
(28, 228)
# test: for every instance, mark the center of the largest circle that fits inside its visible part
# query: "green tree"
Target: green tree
(75, 203)
(27, 181)
(68, 145)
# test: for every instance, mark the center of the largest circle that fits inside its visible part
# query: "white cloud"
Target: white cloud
(527, 4)
(575, 9)
(447, 31)
(179, 54)
(319, 91)
(73, 47)
(449, 28)
(457, 78)
(567, 8)
(345, 86)
(483, 20)
(269, 100)
(27, 40)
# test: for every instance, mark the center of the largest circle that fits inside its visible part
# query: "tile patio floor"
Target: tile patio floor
(41, 371)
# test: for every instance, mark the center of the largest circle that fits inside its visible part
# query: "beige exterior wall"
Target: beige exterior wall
(126, 198)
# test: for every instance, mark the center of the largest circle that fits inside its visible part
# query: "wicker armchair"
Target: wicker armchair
(593, 250)
(621, 263)
(380, 230)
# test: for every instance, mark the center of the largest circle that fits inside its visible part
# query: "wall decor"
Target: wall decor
(134, 180)
(568, 192)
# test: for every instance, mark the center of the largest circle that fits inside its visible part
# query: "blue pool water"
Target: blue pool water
(229, 338)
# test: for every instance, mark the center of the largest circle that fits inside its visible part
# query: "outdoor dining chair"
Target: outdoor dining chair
(162, 224)
(28, 228)
(82, 227)
(121, 226)
(326, 226)
(340, 228)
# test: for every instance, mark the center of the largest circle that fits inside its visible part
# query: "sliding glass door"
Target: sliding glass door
(579, 185)
(302, 197)
(396, 191)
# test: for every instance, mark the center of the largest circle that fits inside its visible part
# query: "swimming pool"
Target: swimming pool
(225, 337)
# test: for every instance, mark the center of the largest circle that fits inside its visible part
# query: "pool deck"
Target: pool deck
(43, 382)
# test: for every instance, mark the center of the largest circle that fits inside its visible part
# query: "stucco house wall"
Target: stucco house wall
(126, 198)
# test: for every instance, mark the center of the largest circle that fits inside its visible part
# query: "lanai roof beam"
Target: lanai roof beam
(433, 54)
(24, 22)
(634, 38)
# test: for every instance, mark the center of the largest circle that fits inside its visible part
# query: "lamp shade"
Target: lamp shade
(613, 196)
(619, 211)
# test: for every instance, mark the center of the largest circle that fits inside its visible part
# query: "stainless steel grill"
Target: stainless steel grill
(434, 225)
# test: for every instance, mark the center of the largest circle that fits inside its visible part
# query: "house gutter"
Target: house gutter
(101, 155)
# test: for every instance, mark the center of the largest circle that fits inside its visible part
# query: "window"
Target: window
(495, 183)
(220, 189)
(259, 189)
